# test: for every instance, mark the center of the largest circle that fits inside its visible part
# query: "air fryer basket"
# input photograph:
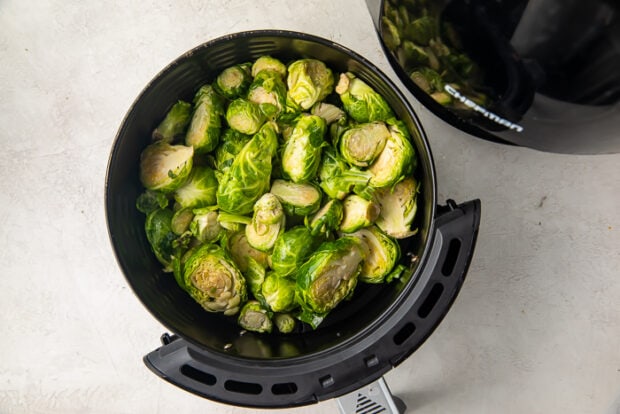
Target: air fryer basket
(362, 339)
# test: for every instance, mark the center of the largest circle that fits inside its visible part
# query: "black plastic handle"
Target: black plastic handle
(303, 381)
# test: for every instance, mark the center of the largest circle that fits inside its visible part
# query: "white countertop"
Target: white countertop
(535, 329)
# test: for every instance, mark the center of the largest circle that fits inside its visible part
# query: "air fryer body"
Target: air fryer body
(549, 69)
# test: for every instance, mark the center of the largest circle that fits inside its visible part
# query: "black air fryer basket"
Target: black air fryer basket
(362, 339)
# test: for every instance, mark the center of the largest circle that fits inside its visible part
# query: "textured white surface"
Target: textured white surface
(536, 328)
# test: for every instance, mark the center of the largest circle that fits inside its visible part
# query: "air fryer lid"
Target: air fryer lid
(361, 339)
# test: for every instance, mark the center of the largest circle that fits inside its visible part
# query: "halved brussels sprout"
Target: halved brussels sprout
(390, 33)
(298, 199)
(302, 151)
(409, 54)
(309, 81)
(330, 113)
(165, 167)
(267, 223)
(398, 208)
(279, 293)
(241, 252)
(327, 219)
(199, 189)
(205, 226)
(396, 160)
(285, 324)
(175, 122)
(328, 277)
(360, 101)
(363, 143)
(231, 143)
(254, 317)
(244, 116)
(249, 176)
(254, 277)
(381, 253)
(204, 129)
(212, 279)
(151, 200)
(181, 220)
(358, 213)
(291, 249)
(268, 63)
(268, 91)
(234, 81)
(160, 236)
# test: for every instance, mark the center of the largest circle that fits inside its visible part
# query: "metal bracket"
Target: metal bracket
(373, 398)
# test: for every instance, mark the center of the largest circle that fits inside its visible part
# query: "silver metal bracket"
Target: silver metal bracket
(374, 398)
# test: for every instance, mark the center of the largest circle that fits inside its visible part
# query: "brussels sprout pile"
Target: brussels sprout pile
(431, 52)
(278, 190)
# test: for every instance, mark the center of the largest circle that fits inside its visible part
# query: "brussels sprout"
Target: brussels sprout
(291, 249)
(396, 160)
(204, 226)
(248, 177)
(362, 144)
(328, 218)
(398, 208)
(165, 167)
(181, 220)
(241, 252)
(309, 81)
(390, 34)
(279, 293)
(442, 98)
(254, 277)
(328, 277)
(422, 30)
(212, 279)
(254, 317)
(381, 253)
(175, 122)
(427, 79)
(234, 81)
(270, 64)
(267, 223)
(298, 199)
(230, 145)
(268, 91)
(233, 222)
(199, 190)
(330, 113)
(151, 200)
(301, 155)
(337, 179)
(285, 324)
(204, 129)
(358, 213)
(160, 235)
(244, 116)
(360, 101)
(410, 54)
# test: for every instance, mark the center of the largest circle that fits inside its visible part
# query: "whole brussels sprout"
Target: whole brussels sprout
(204, 129)
(298, 199)
(231, 143)
(151, 200)
(268, 91)
(165, 167)
(285, 324)
(358, 213)
(360, 101)
(175, 122)
(302, 151)
(327, 219)
(381, 253)
(244, 116)
(309, 81)
(327, 278)
(234, 81)
(160, 235)
(422, 30)
(254, 317)
(291, 249)
(279, 293)
(398, 207)
(268, 63)
(396, 160)
(199, 189)
(212, 279)
(363, 143)
(267, 223)
(249, 176)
